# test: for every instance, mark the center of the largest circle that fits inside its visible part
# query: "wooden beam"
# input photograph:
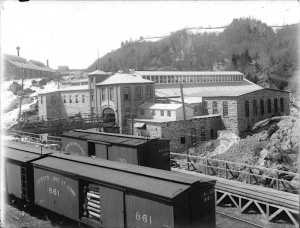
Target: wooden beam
(246, 205)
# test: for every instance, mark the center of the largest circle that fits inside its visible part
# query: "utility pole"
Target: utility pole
(184, 117)
(21, 97)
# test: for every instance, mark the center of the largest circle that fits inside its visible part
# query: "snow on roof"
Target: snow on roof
(160, 106)
(97, 72)
(123, 79)
(74, 88)
(144, 73)
(188, 100)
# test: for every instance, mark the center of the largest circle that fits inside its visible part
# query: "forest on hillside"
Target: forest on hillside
(266, 57)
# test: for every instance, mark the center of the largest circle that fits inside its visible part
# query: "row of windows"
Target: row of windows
(194, 78)
(262, 107)
(137, 93)
(76, 99)
(213, 135)
(162, 112)
(215, 107)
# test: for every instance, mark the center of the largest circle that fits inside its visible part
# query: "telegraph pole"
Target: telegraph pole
(184, 117)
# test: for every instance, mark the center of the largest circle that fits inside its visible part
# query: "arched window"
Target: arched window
(281, 105)
(215, 107)
(137, 93)
(254, 108)
(275, 105)
(246, 108)
(225, 108)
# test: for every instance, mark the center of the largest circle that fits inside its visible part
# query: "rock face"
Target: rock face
(15, 87)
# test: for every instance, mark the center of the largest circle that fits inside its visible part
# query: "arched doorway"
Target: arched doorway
(108, 115)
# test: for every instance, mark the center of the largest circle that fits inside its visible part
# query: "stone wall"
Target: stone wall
(245, 121)
(83, 106)
(198, 129)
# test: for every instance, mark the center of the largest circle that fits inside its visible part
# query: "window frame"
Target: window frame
(254, 108)
(126, 94)
(225, 108)
(137, 93)
(215, 107)
(111, 94)
(148, 92)
(262, 107)
(247, 108)
(269, 105)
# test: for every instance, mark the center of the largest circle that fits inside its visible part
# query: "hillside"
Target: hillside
(266, 57)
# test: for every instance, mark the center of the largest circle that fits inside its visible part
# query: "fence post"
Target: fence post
(226, 175)
(277, 182)
(206, 167)
(249, 175)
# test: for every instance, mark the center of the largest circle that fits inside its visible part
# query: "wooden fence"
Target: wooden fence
(273, 178)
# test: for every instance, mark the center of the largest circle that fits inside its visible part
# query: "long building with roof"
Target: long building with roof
(16, 67)
(150, 103)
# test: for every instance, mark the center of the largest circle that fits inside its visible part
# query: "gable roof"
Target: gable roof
(158, 106)
(123, 79)
(97, 72)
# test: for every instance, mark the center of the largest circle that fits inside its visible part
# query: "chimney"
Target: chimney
(18, 50)
(47, 63)
(132, 71)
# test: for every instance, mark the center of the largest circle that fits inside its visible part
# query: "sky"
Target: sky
(73, 32)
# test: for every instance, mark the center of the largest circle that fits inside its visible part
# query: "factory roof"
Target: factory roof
(187, 100)
(74, 88)
(22, 63)
(97, 72)
(123, 79)
(144, 73)
(218, 89)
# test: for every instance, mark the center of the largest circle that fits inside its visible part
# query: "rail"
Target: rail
(52, 142)
(242, 172)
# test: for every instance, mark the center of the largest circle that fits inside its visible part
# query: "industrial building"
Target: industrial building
(16, 67)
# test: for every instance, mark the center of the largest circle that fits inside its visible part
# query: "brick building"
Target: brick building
(16, 67)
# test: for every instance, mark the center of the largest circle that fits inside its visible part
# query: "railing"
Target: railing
(242, 172)
(52, 142)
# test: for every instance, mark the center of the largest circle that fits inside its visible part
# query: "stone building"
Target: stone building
(119, 96)
(16, 67)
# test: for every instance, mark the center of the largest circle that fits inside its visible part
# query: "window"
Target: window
(254, 108)
(168, 113)
(70, 98)
(246, 108)
(103, 94)
(93, 110)
(111, 94)
(193, 135)
(225, 108)
(196, 108)
(212, 133)
(205, 111)
(269, 106)
(126, 93)
(162, 112)
(215, 107)
(153, 112)
(262, 108)
(182, 140)
(83, 98)
(76, 98)
(275, 105)
(92, 97)
(137, 93)
(142, 112)
(148, 92)
(127, 110)
(41, 99)
(281, 105)
(202, 133)
(64, 97)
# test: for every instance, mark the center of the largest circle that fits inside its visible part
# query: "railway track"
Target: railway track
(227, 221)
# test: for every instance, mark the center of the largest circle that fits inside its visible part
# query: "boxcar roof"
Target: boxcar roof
(75, 134)
(20, 156)
(131, 168)
(26, 148)
(117, 178)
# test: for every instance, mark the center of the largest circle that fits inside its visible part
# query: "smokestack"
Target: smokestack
(18, 48)
(47, 63)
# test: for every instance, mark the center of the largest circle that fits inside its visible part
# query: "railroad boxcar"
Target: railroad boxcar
(103, 193)
(18, 170)
(137, 150)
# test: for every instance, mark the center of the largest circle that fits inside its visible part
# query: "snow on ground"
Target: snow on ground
(7, 97)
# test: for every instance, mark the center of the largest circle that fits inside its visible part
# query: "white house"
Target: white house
(168, 112)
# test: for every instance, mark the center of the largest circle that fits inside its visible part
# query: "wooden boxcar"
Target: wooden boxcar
(104, 193)
(18, 170)
(136, 150)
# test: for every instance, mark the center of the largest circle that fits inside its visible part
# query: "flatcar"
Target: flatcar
(136, 150)
(103, 193)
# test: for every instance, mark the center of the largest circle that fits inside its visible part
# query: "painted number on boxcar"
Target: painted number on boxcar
(144, 218)
(207, 195)
(122, 160)
(58, 180)
(164, 151)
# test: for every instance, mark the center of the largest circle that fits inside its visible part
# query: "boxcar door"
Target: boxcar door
(112, 207)
(101, 151)
(13, 179)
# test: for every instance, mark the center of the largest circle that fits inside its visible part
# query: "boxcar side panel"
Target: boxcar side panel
(181, 212)
(13, 179)
(112, 207)
(56, 192)
(202, 207)
(159, 155)
(144, 212)
(75, 146)
(123, 154)
(101, 151)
